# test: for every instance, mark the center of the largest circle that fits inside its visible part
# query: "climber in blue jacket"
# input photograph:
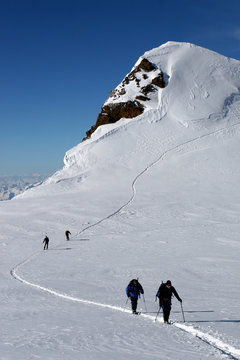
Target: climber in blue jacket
(133, 291)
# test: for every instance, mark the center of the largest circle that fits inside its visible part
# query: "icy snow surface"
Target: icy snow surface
(156, 197)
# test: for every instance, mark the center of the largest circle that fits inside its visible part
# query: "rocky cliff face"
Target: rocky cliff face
(129, 99)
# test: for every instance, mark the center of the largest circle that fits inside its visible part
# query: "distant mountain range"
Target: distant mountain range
(11, 186)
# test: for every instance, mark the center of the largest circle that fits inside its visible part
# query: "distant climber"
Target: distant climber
(67, 233)
(45, 242)
(133, 291)
(165, 293)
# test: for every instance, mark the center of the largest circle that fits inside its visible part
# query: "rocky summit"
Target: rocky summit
(129, 99)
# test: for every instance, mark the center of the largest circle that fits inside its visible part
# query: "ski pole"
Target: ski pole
(126, 301)
(144, 302)
(158, 313)
(182, 313)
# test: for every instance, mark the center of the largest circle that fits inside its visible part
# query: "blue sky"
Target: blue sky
(59, 59)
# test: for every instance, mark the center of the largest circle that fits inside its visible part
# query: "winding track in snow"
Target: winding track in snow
(224, 348)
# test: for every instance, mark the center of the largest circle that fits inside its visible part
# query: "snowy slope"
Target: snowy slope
(154, 197)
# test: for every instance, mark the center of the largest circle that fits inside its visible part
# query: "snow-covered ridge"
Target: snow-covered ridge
(200, 84)
(200, 88)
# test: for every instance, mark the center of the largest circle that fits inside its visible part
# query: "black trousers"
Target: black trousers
(166, 313)
(166, 306)
(134, 304)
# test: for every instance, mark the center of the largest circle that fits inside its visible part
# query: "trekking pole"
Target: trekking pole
(144, 303)
(183, 313)
(158, 313)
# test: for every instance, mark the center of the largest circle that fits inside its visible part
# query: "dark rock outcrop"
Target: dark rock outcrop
(148, 89)
(142, 98)
(144, 65)
(159, 81)
(113, 112)
(116, 108)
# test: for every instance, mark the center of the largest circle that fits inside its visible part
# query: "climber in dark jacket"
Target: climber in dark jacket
(133, 291)
(165, 293)
(67, 233)
(46, 242)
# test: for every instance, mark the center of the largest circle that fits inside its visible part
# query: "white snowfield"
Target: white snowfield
(155, 197)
